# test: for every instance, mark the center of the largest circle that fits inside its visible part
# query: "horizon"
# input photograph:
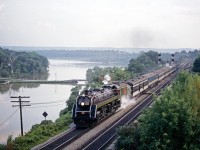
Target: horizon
(125, 49)
(93, 23)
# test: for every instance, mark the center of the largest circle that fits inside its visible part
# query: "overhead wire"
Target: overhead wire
(5, 99)
(9, 117)
(8, 100)
(47, 102)
(44, 106)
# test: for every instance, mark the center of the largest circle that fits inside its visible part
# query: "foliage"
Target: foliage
(9, 142)
(63, 112)
(41, 132)
(72, 98)
(21, 63)
(143, 62)
(173, 122)
(46, 129)
(128, 138)
(95, 76)
(2, 147)
(196, 65)
(183, 55)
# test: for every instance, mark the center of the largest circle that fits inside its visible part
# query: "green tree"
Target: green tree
(72, 99)
(144, 63)
(153, 56)
(135, 67)
(128, 137)
(95, 76)
(21, 63)
(196, 65)
(173, 121)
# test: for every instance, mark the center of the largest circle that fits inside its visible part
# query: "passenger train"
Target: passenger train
(96, 104)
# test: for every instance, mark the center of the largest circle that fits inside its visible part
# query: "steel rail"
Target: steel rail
(148, 100)
(60, 141)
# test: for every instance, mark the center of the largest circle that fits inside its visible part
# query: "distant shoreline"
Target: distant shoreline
(125, 49)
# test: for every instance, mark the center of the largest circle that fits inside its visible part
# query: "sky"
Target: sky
(100, 23)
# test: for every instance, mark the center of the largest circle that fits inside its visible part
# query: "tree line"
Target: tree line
(173, 121)
(18, 64)
(107, 57)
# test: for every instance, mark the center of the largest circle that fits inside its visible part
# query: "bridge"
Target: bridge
(71, 81)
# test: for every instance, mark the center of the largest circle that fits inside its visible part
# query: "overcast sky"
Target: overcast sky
(100, 23)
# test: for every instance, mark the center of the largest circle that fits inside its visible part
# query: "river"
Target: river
(43, 97)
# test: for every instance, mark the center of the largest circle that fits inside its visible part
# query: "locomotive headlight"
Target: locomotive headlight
(82, 104)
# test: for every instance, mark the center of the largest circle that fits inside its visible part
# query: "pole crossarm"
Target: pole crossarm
(21, 101)
(19, 105)
(20, 96)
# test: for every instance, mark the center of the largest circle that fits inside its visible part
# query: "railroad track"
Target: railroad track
(105, 138)
(101, 136)
(102, 141)
(66, 138)
(63, 140)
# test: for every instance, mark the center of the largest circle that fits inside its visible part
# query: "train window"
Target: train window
(141, 85)
(153, 78)
(145, 82)
(135, 87)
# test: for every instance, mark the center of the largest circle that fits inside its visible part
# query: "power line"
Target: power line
(5, 100)
(45, 106)
(35, 103)
(47, 102)
(9, 117)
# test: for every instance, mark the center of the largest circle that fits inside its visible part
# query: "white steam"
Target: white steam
(107, 79)
(125, 101)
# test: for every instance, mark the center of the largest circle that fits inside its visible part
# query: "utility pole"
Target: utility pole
(20, 107)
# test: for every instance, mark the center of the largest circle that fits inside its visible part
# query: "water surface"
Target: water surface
(53, 96)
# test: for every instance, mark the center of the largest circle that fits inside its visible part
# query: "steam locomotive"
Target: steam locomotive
(96, 104)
